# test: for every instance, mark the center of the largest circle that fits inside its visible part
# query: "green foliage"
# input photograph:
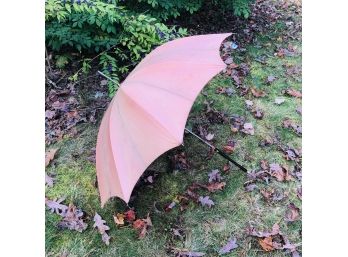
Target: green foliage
(62, 61)
(121, 37)
(119, 32)
(165, 9)
(241, 8)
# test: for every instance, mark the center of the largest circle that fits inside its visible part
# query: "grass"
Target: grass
(205, 230)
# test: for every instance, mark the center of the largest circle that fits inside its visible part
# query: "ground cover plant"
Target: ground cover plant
(191, 202)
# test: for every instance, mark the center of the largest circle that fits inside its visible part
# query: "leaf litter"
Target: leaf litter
(102, 228)
(229, 246)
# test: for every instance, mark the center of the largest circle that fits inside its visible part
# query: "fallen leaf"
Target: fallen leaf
(275, 231)
(230, 146)
(277, 171)
(261, 175)
(281, 173)
(249, 103)
(103, 82)
(119, 219)
(179, 161)
(148, 223)
(228, 149)
(139, 224)
(266, 142)
(49, 180)
(266, 244)
(100, 224)
(257, 93)
(292, 154)
(279, 101)
(250, 186)
(299, 110)
(299, 193)
(177, 233)
(49, 114)
(258, 113)
(209, 137)
(229, 91)
(270, 79)
(264, 164)
(226, 167)
(248, 129)
(214, 175)
(293, 92)
(73, 219)
(62, 106)
(237, 122)
(231, 244)
(292, 213)
(149, 179)
(129, 215)
(106, 238)
(267, 193)
(57, 206)
(214, 116)
(49, 156)
(169, 206)
(295, 254)
(212, 187)
(288, 123)
(297, 172)
(206, 201)
(229, 60)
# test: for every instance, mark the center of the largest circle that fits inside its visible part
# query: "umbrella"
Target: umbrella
(147, 116)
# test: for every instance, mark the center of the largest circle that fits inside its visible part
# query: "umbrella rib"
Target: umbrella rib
(161, 88)
(153, 118)
(159, 63)
(130, 138)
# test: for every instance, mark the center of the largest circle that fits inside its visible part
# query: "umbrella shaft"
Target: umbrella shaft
(220, 152)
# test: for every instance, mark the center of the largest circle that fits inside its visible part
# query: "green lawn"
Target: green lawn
(203, 229)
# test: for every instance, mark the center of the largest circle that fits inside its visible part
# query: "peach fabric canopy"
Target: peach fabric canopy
(147, 116)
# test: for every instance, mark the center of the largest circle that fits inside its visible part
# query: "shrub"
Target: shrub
(120, 32)
(165, 9)
(121, 37)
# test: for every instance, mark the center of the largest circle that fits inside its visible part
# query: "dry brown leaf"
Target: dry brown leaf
(228, 149)
(141, 225)
(292, 213)
(248, 128)
(119, 219)
(293, 92)
(264, 164)
(212, 187)
(49, 156)
(226, 167)
(129, 215)
(257, 113)
(138, 224)
(266, 244)
(257, 93)
(267, 193)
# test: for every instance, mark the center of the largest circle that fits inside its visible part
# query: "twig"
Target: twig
(47, 59)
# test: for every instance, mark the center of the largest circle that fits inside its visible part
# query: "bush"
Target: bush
(121, 37)
(120, 32)
(165, 9)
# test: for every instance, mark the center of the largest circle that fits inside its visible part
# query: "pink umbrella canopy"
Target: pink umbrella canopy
(147, 116)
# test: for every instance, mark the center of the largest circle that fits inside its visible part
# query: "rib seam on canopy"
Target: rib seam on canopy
(153, 118)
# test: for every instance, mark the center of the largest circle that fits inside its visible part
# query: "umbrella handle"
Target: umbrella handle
(220, 152)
